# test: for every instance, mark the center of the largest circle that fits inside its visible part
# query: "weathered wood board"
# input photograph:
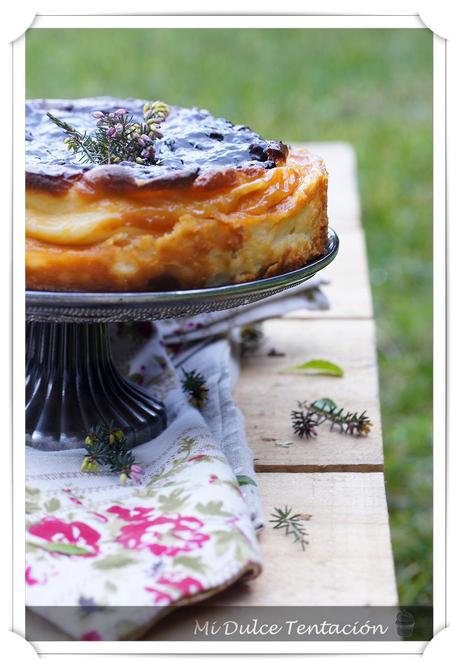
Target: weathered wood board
(267, 396)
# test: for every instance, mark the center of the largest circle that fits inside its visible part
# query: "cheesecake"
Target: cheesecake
(206, 203)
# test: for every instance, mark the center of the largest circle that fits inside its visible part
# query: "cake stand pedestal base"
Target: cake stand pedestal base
(72, 385)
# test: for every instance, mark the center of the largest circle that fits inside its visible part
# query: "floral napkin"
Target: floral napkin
(187, 529)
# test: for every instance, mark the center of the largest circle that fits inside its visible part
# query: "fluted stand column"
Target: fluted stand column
(72, 384)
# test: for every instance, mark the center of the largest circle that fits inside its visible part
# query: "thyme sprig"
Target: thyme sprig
(311, 415)
(118, 137)
(107, 445)
(194, 384)
(292, 523)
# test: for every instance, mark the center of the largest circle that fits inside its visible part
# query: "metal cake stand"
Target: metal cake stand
(72, 383)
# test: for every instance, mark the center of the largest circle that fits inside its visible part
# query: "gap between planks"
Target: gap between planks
(302, 315)
(318, 468)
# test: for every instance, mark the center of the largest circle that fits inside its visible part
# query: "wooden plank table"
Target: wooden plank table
(336, 479)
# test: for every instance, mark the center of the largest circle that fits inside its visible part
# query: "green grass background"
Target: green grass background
(372, 88)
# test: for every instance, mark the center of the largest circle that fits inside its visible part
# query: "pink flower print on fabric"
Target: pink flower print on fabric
(99, 517)
(163, 535)
(185, 587)
(160, 597)
(31, 580)
(137, 514)
(71, 497)
(71, 533)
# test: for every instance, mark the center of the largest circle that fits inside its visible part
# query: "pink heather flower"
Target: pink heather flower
(110, 132)
(136, 472)
(98, 114)
(148, 153)
(121, 112)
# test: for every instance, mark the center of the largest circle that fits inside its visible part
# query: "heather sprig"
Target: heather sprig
(118, 137)
(107, 446)
(194, 384)
(349, 422)
(304, 424)
(81, 143)
(311, 415)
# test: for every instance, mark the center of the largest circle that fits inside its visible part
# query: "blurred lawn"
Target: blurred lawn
(372, 88)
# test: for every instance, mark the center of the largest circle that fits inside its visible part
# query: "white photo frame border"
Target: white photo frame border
(439, 293)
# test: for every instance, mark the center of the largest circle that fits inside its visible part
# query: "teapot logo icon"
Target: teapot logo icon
(405, 623)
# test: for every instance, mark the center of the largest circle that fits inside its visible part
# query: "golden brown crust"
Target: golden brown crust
(50, 184)
(231, 227)
(113, 179)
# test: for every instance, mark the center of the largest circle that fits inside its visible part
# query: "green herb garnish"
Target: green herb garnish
(292, 523)
(118, 137)
(309, 416)
(107, 445)
(320, 367)
(194, 385)
(245, 480)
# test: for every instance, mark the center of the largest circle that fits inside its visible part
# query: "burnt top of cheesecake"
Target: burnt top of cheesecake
(194, 147)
